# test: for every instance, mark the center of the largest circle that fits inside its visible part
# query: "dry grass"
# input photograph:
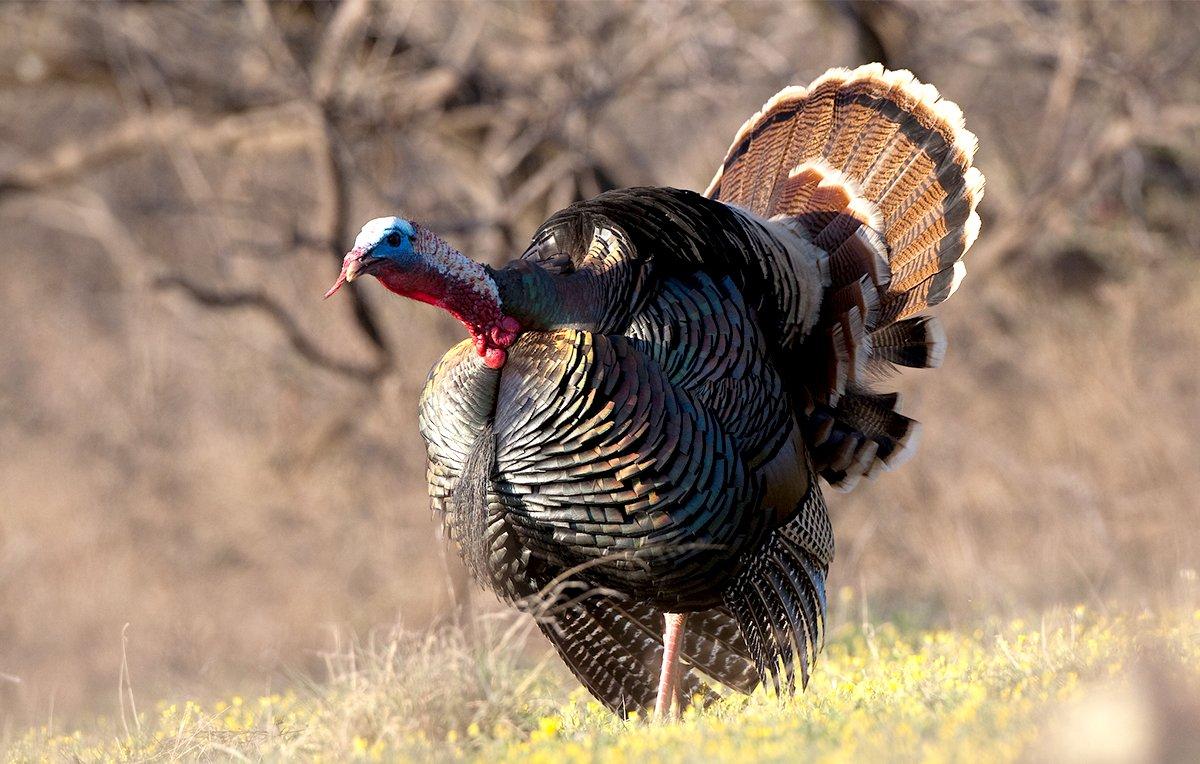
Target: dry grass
(193, 444)
(1070, 686)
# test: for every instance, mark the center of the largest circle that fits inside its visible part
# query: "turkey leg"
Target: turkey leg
(667, 706)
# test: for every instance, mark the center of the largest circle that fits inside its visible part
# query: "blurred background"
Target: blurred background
(194, 444)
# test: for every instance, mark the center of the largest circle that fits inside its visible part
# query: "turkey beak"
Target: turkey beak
(356, 262)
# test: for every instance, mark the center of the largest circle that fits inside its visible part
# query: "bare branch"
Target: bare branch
(213, 298)
(270, 38)
(271, 127)
(345, 28)
(138, 269)
(334, 214)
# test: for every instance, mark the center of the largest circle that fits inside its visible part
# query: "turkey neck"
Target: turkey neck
(448, 279)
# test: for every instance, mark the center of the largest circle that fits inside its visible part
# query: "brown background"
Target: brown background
(192, 443)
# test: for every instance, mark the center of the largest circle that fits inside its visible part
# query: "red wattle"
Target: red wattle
(495, 357)
(491, 331)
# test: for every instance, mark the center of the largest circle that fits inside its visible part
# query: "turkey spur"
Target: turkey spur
(631, 442)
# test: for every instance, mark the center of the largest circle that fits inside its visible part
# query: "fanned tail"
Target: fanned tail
(873, 167)
(896, 146)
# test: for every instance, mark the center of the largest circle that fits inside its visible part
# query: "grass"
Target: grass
(1072, 685)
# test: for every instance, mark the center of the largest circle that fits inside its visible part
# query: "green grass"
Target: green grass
(1072, 684)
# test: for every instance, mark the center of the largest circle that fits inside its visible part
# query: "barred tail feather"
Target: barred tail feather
(875, 168)
(918, 343)
(864, 431)
(894, 144)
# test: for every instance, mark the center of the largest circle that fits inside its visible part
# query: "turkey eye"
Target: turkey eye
(393, 239)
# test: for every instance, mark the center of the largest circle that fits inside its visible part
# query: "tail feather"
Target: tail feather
(875, 169)
(905, 150)
(863, 430)
(830, 209)
(918, 343)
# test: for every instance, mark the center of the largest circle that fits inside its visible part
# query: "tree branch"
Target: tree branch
(262, 303)
(277, 126)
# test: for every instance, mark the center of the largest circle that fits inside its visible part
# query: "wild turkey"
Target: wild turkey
(634, 431)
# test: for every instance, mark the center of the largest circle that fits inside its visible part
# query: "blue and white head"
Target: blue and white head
(390, 232)
(388, 238)
(411, 261)
(401, 253)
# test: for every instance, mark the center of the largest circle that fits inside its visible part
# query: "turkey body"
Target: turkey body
(689, 368)
(648, 444)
